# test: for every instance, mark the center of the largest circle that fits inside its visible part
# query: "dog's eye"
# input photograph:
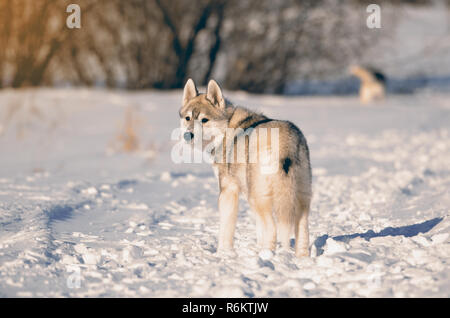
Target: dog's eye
(188, 118)
(205, 120)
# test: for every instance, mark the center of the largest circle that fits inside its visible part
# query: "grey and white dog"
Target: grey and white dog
(273, 174)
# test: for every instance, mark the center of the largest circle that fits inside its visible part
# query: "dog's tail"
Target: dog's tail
(292, 193)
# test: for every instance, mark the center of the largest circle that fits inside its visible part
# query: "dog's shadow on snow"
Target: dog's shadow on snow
(407, 231)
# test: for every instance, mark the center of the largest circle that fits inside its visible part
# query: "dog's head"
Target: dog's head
(360, 72)
(203, 114)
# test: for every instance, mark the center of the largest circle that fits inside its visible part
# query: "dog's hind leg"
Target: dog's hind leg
(284, 233)
(266, 233)
(284, 211)
(301, 229)
(259, 230)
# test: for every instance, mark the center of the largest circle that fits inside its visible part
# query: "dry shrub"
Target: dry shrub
(127, 139)
(21, 114)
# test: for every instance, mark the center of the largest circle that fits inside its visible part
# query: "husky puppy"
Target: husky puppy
(264, 160)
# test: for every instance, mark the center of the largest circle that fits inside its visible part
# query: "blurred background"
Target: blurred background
(259, 46)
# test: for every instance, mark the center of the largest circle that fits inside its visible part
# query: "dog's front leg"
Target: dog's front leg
(228, 208)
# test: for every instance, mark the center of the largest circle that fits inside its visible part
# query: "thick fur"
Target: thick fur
(279, 199)
(372, 85)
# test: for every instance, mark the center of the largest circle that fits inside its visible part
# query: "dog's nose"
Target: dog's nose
(188, 136)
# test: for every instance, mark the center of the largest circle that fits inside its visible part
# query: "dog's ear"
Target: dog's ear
(190, 91)
(214, 94)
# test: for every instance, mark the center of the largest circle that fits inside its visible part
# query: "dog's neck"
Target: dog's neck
(238, 118)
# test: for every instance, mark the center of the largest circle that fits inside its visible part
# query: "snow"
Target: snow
(80, 220)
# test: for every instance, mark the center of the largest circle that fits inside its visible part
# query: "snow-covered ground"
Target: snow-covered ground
(78, 217)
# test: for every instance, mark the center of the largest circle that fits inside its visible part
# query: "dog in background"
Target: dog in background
(280, 198)
(372, 83)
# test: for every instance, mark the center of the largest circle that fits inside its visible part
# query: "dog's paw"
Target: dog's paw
(265, 254)
(302, 253)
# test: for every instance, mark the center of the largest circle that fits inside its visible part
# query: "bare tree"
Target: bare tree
(30, 40)
(257, 45)
(143, 44)
(286, 40)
